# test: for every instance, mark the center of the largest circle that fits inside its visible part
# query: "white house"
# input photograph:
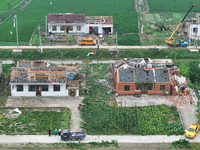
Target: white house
(79, 24)
(34, 78)
(192, 27)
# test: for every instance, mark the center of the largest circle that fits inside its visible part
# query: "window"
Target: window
(20, 88)
(31, 88)
(78, 28)
(138, 87)
(162, 87)
(56, 87)
(150, 87)
(62, 28)
(195, 30)
(54, 28)
(45, 88)
(126, 87)
(70, 28)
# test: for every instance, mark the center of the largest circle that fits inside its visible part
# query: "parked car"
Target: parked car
(192, 131)
(87, 41)
(67, 135)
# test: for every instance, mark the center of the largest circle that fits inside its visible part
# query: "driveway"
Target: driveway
(182, 103)
(36, 102)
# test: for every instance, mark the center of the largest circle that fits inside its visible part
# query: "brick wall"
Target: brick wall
(120, 89)
(155, 92)
(167, 86)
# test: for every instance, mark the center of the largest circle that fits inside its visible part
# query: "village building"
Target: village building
(38, 78)
(148, 76)
(62, 23)
(192, 27)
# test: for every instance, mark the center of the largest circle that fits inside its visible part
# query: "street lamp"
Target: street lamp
(15, 22)
(40, 40)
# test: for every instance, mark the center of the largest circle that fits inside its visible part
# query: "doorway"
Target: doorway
(38, 90)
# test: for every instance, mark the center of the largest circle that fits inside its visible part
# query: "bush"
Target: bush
(182, 143)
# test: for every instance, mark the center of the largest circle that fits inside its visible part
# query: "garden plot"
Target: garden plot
(33, 121)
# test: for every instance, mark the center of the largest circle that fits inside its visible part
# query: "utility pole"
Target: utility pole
(116, 40)
(196, 30)
(46, 26)
(40, 40)
(15, 22)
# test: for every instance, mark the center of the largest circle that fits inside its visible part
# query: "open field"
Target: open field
(5, 5)
(123, 12)
(173, 5)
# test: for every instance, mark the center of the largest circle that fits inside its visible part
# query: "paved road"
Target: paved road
(77, 46)
(95, 138)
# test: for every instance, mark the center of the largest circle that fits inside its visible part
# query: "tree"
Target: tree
(194, 71)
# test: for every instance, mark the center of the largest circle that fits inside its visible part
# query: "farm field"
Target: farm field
(33, 121)
(123, 12)
(102, 116)
(5, 4)
(173, 5)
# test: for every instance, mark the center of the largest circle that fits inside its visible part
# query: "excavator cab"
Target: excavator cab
(170, 41)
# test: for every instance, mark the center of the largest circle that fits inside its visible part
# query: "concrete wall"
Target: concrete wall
(100, 27)
(63, 91)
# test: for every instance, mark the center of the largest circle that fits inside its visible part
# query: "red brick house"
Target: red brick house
(132, 76)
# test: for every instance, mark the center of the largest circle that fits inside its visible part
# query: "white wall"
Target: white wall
(14, 91)
(62, 32)
(63, 91)
(191, 33)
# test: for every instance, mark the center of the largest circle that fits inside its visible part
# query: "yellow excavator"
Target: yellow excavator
(181, 43)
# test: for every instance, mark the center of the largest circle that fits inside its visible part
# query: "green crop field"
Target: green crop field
(173, 5)
(123, 12)
(4, 5)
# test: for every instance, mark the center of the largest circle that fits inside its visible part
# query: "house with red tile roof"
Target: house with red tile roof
(79, 24)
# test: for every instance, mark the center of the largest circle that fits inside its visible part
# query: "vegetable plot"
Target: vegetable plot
(33, 122)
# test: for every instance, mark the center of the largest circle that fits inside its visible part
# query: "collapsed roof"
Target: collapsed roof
(37, 72)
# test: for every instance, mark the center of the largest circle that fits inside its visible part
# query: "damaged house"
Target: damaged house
(38, 78)
(147, 76)
(62, 23)
(192, 27)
